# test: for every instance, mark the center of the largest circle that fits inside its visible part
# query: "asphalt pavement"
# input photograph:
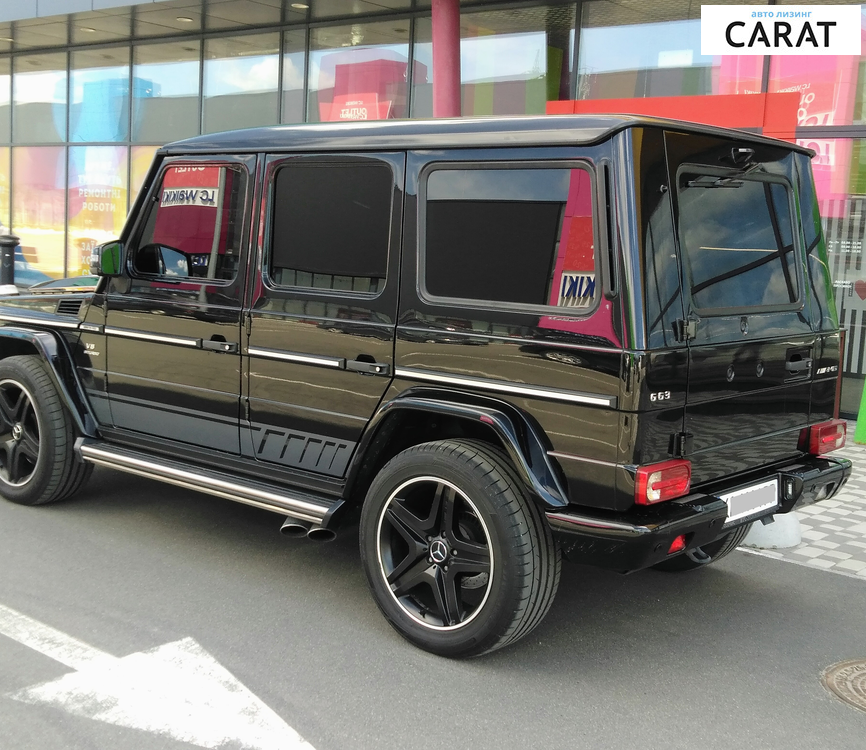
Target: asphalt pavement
(724, 657)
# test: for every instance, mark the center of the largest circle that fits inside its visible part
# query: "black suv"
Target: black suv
(492, 340)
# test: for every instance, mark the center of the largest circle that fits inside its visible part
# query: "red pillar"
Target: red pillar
(446, 58)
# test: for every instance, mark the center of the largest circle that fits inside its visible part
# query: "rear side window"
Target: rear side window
(331, 226)
(519, 236)
(738, 238)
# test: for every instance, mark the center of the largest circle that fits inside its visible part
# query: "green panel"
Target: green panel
(554, 74)
(536, 96)
(483, 99)
(857, 178)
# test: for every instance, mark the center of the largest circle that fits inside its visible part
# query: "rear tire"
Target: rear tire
(459, 559)
(37, 457)
(700, 557)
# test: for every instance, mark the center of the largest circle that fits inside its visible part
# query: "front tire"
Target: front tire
(37, 458)
(700, 557)
(459, 559)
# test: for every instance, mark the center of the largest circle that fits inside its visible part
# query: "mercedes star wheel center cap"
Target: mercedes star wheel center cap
(438, 551)
(17, 431)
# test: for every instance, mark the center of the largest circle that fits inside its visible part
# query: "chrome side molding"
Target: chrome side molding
(303, 359)
(161, 338)
(503, 386)
(39, 320)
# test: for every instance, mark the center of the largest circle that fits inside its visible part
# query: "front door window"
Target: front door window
(194, 227)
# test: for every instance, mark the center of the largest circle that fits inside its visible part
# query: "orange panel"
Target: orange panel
(564, 107)
(780, 115)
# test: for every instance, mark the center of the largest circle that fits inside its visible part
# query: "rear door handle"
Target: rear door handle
(220, 346)
(798, 366)
(368, 368)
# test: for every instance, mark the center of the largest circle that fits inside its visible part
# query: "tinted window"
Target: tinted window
(738, 237)
(331, 225)
(511, 235)
(194, 229)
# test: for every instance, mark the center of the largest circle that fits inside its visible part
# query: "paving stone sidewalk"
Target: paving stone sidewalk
(834, 531)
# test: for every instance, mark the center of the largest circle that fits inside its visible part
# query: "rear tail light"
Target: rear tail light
(824, 437)
(665, 481)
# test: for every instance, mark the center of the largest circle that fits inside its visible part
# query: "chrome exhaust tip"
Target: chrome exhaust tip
(294, 527)
(321, 534)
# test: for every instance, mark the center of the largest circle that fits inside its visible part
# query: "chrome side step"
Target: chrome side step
(318, 510)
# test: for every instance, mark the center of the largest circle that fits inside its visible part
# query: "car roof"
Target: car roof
(464, 132)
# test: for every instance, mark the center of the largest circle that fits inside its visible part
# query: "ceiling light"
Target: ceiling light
(300, 6)
(87, 29)
(185, 19)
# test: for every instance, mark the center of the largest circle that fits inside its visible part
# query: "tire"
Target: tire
(700, 557)
(459, 559)
(37, 458)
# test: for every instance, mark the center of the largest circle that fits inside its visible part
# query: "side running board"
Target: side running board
(319, 510)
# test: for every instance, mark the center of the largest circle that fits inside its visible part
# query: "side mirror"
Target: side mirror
(107, 259)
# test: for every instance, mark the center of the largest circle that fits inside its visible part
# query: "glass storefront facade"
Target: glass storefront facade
(86, 98)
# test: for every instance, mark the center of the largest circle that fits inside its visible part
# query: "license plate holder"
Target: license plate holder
(754, 498)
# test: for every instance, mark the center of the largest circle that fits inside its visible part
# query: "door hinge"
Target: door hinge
(681, 444)
(246, 409)
(248, 323)
(685, 329)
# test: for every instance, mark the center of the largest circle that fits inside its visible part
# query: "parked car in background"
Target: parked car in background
(69, 284)
(25, 275)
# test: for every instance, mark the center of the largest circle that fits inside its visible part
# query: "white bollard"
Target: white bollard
(781, 534)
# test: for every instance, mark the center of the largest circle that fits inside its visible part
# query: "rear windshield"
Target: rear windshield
(738, 238)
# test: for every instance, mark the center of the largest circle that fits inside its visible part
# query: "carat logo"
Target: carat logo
(780, 30)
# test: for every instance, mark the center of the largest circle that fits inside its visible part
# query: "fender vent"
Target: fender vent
(68, 307)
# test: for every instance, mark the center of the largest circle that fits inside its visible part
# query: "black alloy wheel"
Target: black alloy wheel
(460, 560)
(37, 437)
(19, 434)
(435, 553)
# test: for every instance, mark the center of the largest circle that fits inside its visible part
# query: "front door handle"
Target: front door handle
(796, 367)
(220, 346)
(368, 368)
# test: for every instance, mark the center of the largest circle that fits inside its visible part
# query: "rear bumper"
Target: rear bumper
(632, 541)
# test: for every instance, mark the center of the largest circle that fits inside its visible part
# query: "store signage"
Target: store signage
(576, 289)
(190, 186)
(780, 30)
(189, 197)
(359, 107)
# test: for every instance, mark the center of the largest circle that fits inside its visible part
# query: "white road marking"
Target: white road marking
(803, 564)
(48, 641)
(177, 690)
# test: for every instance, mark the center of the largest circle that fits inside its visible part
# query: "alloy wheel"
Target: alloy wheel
(19, 434)
(435, 553)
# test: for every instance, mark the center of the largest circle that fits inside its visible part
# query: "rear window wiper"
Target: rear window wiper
(715, 182)
(732, 181)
